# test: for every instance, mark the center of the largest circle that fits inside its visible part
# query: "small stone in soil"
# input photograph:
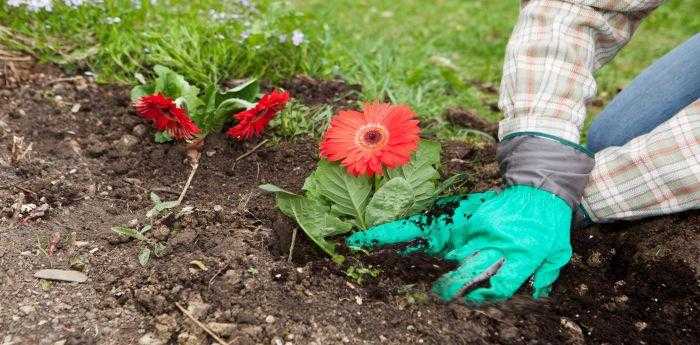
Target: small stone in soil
(139, 130)
(595, 259)
(640, 325)
(126, 143)
(26, 309)
(223, 329)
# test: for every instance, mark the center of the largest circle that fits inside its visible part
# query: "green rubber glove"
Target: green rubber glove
(510, 236)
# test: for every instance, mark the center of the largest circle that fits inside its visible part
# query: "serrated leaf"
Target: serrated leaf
(421, 174)
(316, 222)
(128, 232)
(271, 188)
(160, 207)
(155, 198)
(389, 202)
(144, 256)
(162, 137)
(348, 194)
(167, 205)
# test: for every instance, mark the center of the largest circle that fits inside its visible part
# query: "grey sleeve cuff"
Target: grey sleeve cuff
(547, 163)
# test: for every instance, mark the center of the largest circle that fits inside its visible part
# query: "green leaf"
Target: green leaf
(155, 198)
(160, 207)
(230, 105)
(152, 212)
(144, 256)
(139, 91)
(247, 90)
(313, 190)
(159, 249)
(271, 188)
(349, 194)
(146, 228)
(162, 137)
(225, 111)
(315, 220)
(168, 205)
(128, 232)
(141, 79)
(421, 174)
(175, 86)
(390, 201)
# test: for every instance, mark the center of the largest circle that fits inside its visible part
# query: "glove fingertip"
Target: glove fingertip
(483, 295)
(445, 289)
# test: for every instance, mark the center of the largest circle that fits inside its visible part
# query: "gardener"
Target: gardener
(642, 157)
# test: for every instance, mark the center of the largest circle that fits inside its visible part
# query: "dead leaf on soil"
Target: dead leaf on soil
(61, 275)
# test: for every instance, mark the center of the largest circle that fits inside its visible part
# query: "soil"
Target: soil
(336, 92)
(470, 119)
(225, 262)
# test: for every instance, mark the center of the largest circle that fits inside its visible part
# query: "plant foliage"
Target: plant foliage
(335, 203)
(210, 109)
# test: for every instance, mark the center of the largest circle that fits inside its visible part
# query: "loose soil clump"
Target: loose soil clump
(93, 164)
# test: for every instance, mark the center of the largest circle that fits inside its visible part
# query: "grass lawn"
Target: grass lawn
(429, 54)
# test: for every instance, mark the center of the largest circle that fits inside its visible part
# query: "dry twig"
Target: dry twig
(200, 325)
(291, 245)
(251, 150)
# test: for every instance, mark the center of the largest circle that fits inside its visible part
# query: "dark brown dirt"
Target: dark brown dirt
(630, 283)
(336, 92)
(469, 118)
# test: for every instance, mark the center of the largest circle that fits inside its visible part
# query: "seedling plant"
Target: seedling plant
(374, 168)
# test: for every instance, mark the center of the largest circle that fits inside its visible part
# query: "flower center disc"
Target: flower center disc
(372, 136)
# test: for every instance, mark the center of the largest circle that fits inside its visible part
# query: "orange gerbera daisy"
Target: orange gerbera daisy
(364, 142)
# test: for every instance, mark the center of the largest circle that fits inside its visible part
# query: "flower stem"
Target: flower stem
(195, 165)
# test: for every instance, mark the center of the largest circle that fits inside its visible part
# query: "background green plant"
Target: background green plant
(428, 54)
(202, 40)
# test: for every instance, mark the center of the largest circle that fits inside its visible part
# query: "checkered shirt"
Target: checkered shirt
(547, 82)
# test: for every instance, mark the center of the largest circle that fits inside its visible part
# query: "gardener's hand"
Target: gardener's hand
(434, 232)
(508, 237)
(516, 233)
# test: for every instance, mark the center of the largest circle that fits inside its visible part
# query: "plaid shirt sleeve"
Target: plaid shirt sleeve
(554, 50)
(656, 173)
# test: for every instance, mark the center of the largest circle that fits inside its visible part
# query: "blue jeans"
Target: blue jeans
(657, 94)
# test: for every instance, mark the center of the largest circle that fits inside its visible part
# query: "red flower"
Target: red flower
(166, 116)
(253, 121)
(381, 135)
